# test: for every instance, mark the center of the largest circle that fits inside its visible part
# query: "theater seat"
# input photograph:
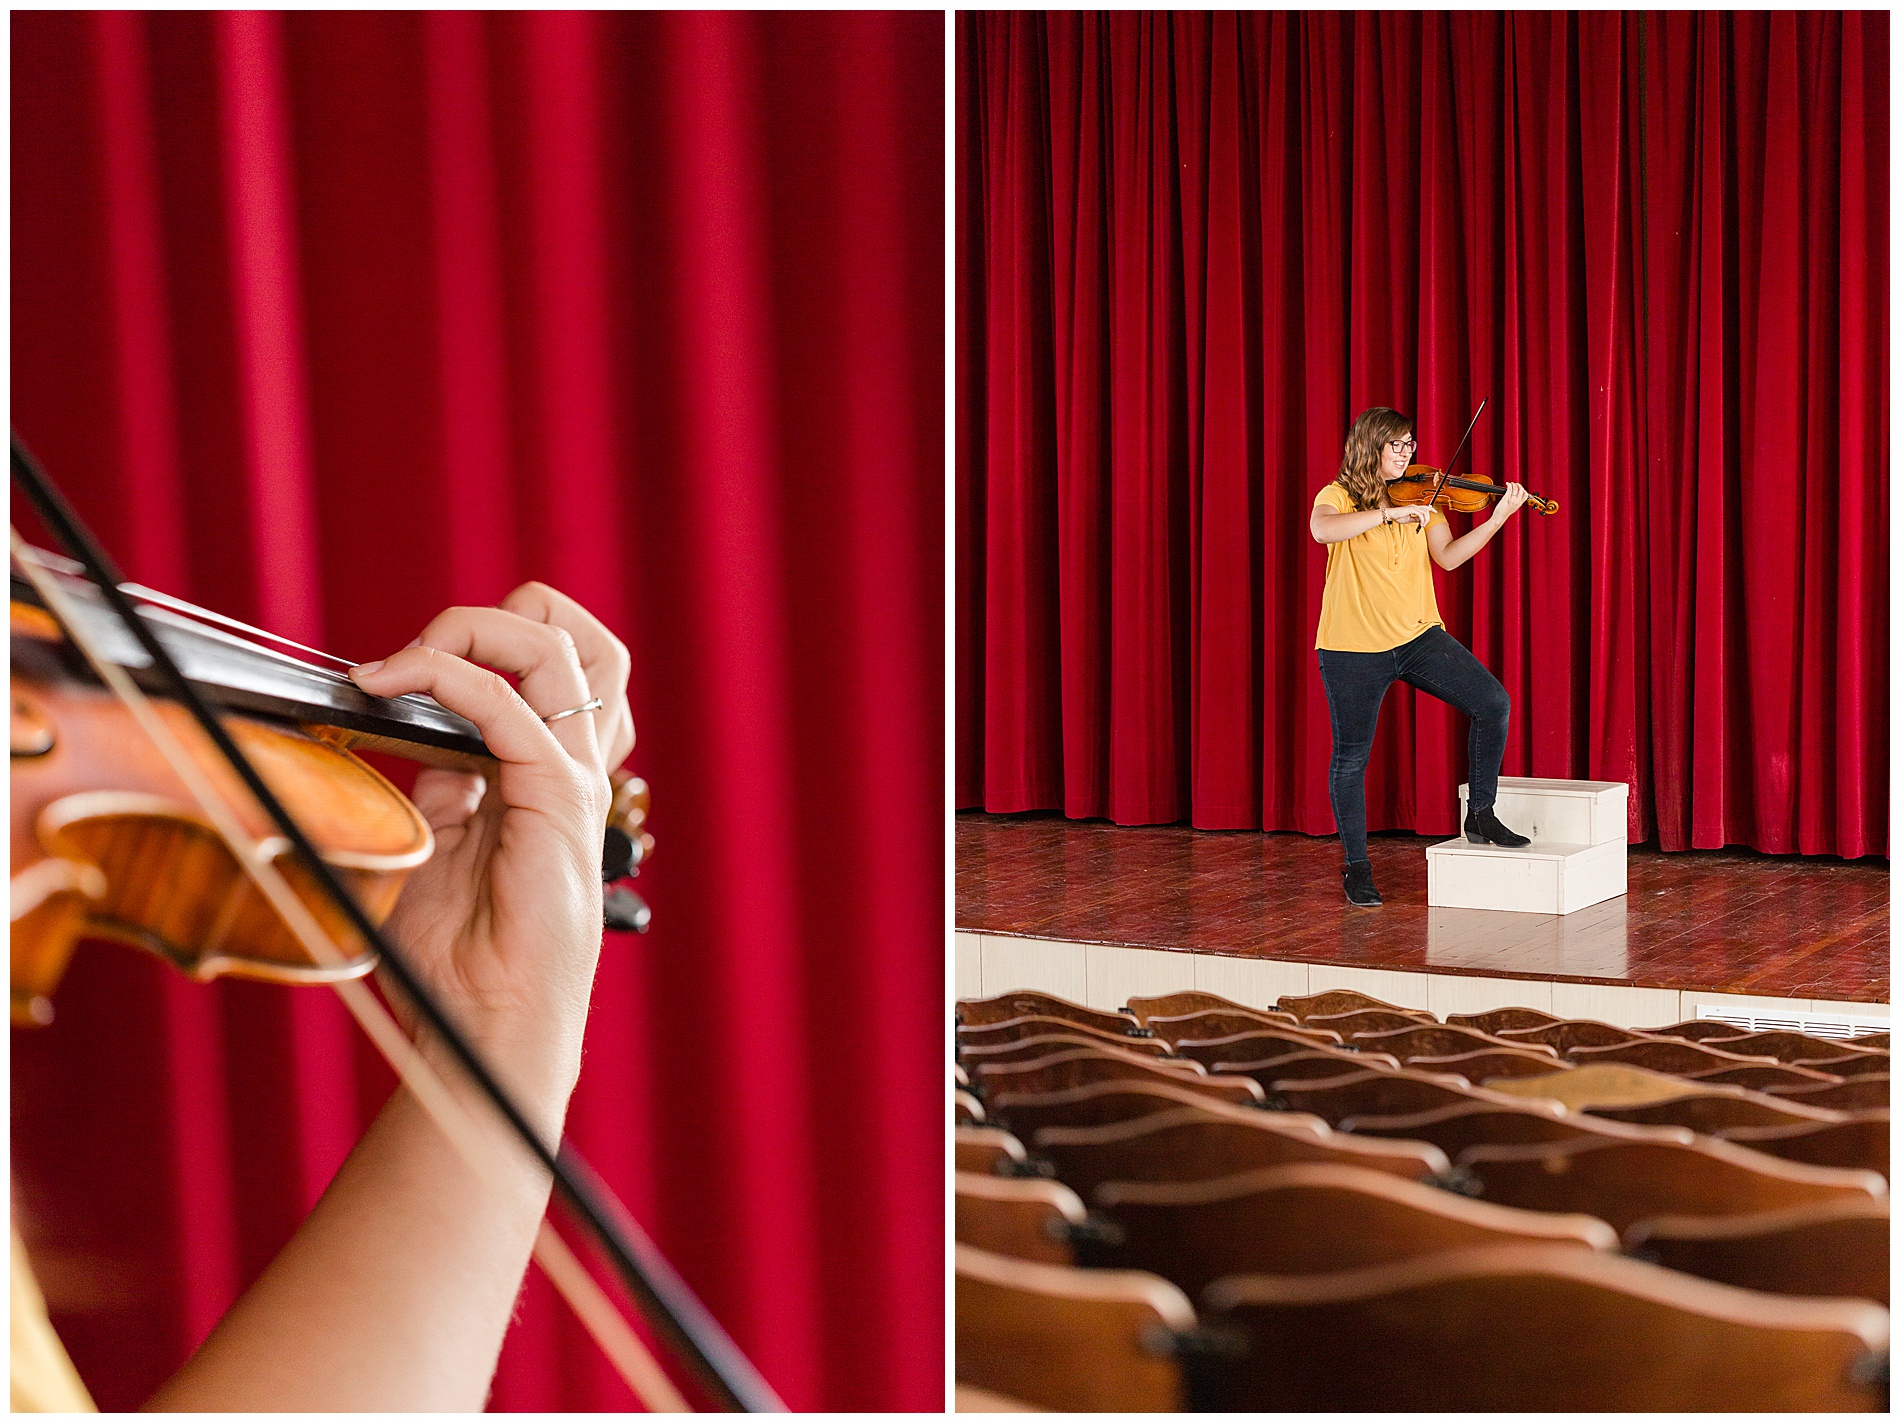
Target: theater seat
(1437, 1040)
(1048, 1044)
(1250, 1046)
(1308, 1219)
(1098, 1103)
(1765, 1079)
(1788, 1046)
(1712, 1112)
(1836, 1249)
(1380, 1094)
(1536, 1329)
(1193, 1146)
(1306, 1066)
(1174, 1005)
(1035, 1025)
(1224, 1023)
(1024, 1219)
(1599, 1084)
(1627, 1181)
(1369, 1020)
(1025, 1002)
(1848, 1095)
(1072, 1067)
(1073, 1341)
(1860, 1142)
(1460, 1127)
(1499, 1020)
(1566, 1035)
(1667, 1055)
(1341, 1000)
(1486, 1063)
(985, 1150)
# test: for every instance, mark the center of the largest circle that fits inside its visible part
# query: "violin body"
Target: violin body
(1461, 494)
(107, 842)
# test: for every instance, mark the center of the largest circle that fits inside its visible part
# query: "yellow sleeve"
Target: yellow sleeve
(1334, 497)
(43, 1377)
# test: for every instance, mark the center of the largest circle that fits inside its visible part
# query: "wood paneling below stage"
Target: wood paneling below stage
(1115, 907)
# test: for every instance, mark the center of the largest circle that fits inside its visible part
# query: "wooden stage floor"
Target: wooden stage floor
(1717, 921)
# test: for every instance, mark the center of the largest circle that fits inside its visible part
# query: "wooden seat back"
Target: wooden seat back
(1836, 1249)
(1848, 1095)
(1857, 1142)
(966, 1110)
(1487, 1063)
(1670, 1055)
(1074, 1066)
(1787, 1046)
(1068, 1340)
(1501, 1020)
(1203, 1027)
(1369, 1020)
(1027, 1219)
(1711, 1112)
(1763, 1079)
(1437, 1040)
(1883, 1040)
(1094, 1104)
(983, 1150)
(1695, 1030)
(1599, 1084)
(1028, 1002)
(1534, 1329)
(1194, 1146)
(1458, 1128)
(1310, 1219)
(1303, 1066)
(1871, 1064)
(1336, 1001)
(1561, 1037)
(1036, 1025)
(1048, 1044)
(1379, 1094)
(1257, 1046)
(1627, 1181)
(1174, 1005)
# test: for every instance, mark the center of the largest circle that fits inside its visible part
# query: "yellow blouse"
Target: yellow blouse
(1378, 584)
(43, 1377)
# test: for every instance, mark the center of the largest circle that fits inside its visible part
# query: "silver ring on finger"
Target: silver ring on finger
(595, 705)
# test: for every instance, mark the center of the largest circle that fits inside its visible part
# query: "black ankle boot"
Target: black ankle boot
(1483, 826)
(1359, 887)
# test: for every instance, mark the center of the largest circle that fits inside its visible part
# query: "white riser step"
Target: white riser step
(1545, 877)
(1564, 812)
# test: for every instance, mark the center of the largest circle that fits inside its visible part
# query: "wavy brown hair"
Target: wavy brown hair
(1365, 443)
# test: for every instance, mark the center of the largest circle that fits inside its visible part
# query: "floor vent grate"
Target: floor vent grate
(1780, 1022)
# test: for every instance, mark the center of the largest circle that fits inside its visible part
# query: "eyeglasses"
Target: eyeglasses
(1408, 444)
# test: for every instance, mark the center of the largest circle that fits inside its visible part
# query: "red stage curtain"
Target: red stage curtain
(1192, 247)
(330, 320)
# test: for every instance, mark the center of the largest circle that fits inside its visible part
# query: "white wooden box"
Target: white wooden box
(1547, 878)
(1565, 812)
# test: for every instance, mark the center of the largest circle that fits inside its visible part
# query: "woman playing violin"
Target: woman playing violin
(1379, 624)
(396, 1291)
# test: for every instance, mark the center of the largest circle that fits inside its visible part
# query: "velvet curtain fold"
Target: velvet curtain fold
(1192, 247)
(330, 320)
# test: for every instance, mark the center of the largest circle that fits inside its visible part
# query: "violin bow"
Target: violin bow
(1444, 473)
(666, 1301)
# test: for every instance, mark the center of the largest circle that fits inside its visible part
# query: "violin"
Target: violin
(1460, 493)
(107, 843)
(250, 839)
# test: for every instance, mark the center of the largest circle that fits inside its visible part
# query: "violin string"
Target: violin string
(623, 1348)
(696, 1336)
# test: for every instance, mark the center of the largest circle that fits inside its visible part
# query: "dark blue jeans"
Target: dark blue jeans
(1434, 662)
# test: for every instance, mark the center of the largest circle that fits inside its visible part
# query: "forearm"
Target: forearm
(1460, 550)
(394, 1294)
(1338, 527)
